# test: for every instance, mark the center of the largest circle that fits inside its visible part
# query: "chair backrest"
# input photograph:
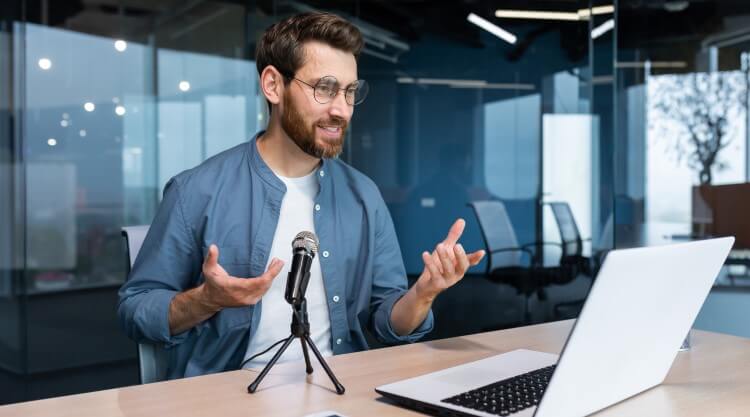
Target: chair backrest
(152, 359)
(570, 237)
(498, 233)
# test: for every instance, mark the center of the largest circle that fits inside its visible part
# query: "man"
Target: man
(204, 284)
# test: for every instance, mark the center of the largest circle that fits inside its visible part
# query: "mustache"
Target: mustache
(332, 122)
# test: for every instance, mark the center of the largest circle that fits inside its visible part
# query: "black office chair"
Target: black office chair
(572, 259)
(507, 261)
(573, 263)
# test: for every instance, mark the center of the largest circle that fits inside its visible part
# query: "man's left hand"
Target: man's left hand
(446, 265)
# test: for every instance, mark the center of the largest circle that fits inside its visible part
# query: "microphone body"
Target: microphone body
(298, 277)
(304, 248)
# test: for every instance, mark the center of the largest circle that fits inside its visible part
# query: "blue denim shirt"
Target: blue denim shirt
(233, 200)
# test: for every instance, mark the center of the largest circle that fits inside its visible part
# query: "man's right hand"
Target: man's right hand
(221, 290)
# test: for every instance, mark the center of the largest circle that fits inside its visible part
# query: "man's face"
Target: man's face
(319, 129)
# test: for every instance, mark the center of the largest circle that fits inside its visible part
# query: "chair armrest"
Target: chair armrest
(509, 249)
(558, 244)
(517, 249)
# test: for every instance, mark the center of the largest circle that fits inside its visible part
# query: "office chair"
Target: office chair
(152, 359)
(572, 260)
(507, 261)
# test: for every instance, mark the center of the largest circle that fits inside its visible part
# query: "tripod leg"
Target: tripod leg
(339, 388)
(309, 368)
(252, 387)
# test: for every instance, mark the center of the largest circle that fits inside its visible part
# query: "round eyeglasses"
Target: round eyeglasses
(328, 87)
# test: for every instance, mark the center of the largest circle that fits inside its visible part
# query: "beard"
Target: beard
(304, 135)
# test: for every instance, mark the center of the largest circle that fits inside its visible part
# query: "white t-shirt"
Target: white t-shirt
(296, 215)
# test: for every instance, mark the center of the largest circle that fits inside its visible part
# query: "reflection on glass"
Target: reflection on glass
(101, 143)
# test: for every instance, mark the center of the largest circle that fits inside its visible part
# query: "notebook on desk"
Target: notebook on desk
(637, 314)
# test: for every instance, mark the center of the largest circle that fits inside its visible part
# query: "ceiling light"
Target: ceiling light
(64, 123)
(51, 142)
(121, 45)
(603, 28)
(184, 86)
(492, 28)
(581, 14)
(584, 14)
(45, 64)
(89, 106)
(120, 110)
(531, 14)
(82, 133)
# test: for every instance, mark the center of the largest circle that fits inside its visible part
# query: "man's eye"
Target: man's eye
(325, 89)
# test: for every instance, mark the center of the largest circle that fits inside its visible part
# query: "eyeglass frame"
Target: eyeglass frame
(314, 88)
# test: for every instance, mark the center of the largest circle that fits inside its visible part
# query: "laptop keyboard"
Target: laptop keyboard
(508, 396)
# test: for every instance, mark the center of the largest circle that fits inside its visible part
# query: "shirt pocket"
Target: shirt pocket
(236, 260)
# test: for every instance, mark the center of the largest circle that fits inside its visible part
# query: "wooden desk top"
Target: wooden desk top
(712, 379)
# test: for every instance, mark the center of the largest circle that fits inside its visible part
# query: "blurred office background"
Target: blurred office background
(632, 113)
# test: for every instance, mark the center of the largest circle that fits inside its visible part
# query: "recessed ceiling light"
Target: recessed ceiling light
(45, 64)
(121, 45)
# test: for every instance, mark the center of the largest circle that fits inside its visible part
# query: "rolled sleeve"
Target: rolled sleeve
(169, 262)
(389, 282)
(382, 323)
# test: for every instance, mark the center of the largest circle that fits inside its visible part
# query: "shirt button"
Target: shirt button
(322, 173)
(317, 207)
(338, 341)
(325, 253)
(335, 298)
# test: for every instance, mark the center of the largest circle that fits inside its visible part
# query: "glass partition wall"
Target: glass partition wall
(102, 102)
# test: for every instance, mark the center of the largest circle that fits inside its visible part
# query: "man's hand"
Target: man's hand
(446, 265)
(443, 268)
(222, 290)
(219, 290)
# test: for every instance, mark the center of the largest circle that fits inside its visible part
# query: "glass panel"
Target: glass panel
(683, 128)
(11, 356)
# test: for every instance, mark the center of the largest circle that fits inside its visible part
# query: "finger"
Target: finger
(449, 271)
(455, 232)
(273, 269)
(436, 261)
(430, 264)
(212, 257)
(463, 260)
(476, 257)
(211, 265)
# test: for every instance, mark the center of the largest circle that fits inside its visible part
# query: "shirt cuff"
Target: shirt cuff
(384, 331)
(152, 318)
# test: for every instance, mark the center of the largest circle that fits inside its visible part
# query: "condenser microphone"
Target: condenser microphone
(304, 248)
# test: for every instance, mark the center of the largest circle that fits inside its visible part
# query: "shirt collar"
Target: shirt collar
(264, 171)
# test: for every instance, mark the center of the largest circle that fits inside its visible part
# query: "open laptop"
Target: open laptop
(639, 310)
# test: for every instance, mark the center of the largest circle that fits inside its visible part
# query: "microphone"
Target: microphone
(304, 248)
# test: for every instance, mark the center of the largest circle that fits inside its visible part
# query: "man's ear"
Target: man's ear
(272, 84)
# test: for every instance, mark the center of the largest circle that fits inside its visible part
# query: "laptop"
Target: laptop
(639, 310)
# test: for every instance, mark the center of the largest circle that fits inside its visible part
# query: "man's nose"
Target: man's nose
(340, 108)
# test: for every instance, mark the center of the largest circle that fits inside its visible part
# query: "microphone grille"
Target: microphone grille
(306, 240)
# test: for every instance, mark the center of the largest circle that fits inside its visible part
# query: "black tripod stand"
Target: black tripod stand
(300, 328)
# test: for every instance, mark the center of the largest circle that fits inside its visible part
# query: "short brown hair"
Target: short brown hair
(282, 43)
